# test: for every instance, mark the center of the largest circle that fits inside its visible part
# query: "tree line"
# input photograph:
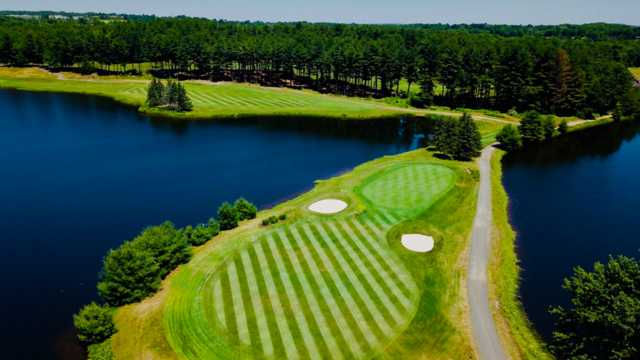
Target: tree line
(566, 70)
(134, 270)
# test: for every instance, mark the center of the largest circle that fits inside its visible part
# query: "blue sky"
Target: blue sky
(364, 11)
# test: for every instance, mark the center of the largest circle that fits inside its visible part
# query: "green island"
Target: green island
(292, 282)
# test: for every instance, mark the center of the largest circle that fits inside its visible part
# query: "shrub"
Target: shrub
(246, 210)
(94, 323)
(199, 235)
(563, 128)
(168, 246)
(270, 221)
(101, 351)
(213, 226)
(282, 217)
(227, 216)
(549, 127)
(509, 138)
(128, 275)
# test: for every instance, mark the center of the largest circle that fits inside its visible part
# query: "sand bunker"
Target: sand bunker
(417, 242)
(328, 206)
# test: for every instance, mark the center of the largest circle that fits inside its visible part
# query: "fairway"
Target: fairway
(319, 287)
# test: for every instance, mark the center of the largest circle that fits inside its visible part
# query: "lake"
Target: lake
(574, 201)
(82, 174)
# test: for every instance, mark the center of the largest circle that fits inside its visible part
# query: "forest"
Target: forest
(565, 70)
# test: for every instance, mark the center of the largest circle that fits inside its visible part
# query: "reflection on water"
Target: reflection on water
(574, 201)
(82, 174)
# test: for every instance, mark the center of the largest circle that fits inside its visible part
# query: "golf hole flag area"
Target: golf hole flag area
(321, 288)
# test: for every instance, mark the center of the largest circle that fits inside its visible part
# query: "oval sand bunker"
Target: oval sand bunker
(328, 206)
(417, 242)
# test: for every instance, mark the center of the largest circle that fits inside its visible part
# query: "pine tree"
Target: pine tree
(617, 112)
(509, 138)
(531, 128)
(183, 102)
(444, 137)
(171, 98)
(468, 141)
(155, 93)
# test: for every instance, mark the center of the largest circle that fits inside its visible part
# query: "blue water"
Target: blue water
(574, 201)
(80, 175)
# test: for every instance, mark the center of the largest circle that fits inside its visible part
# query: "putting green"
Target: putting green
(408, 189)
(327, 288)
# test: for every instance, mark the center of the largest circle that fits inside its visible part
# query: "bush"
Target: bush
(100, 351)
(282, 217)
(94, 323)
(509, 138)
(168, 246)
(227, 216)
(133, 271)
(270, 221)
(246, 210)
(549, 127)
(563, 128)
(128, 275)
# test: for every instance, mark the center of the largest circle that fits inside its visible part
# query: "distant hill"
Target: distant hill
(63, 15)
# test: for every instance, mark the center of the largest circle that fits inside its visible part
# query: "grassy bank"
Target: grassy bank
(340, 285)
(518, 334)
(211, 100)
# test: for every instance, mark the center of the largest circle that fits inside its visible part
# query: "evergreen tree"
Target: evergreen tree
(468, 141)
(509, 138)
(531, 128)
(172, 95)
(617, 112)
(183, 102)
(166, 245)
(155, 93)
(444, 139)
(548, 127)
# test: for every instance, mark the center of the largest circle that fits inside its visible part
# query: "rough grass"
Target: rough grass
(333, 286)
(518, 334)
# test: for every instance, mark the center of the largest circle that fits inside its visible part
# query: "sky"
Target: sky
(363, 11)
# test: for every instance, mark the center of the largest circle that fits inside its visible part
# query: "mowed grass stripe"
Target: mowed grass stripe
(360, 319)
(280, 316)
(258, 309)
(336, 312)
(344, 261)
(297, 309)
(219, 303)
(310, 296)
(238, 304)
(395, 312)
(404, 276)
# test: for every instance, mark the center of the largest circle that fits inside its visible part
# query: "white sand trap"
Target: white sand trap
(417, 242)
(328, 206)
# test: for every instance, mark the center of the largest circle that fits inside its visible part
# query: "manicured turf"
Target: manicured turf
(408, 189)
(315, 288)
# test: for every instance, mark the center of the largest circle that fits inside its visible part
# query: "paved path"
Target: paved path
(485, 335)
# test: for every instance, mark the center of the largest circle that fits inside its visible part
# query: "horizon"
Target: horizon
(455, 12)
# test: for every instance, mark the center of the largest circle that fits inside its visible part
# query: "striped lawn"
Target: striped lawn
(410, 188)
(316, 290)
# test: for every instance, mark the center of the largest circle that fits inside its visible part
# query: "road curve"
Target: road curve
(487, 341)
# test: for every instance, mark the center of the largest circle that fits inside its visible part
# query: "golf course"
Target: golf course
(318, 286)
